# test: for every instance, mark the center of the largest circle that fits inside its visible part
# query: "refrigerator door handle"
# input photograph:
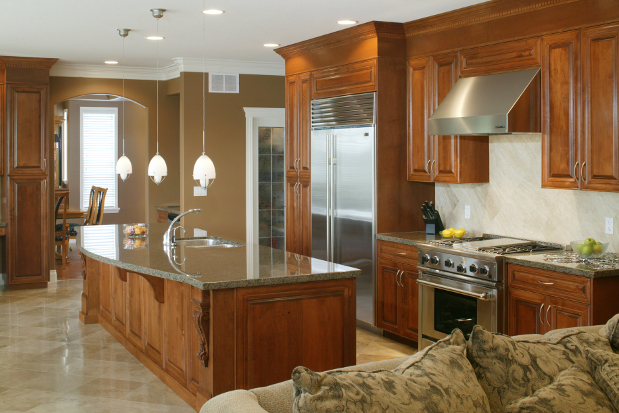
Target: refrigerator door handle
(332, 189)
(327, 195)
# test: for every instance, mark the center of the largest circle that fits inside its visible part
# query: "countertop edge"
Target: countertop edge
(562, 269)
(387, 237)
(167, 209)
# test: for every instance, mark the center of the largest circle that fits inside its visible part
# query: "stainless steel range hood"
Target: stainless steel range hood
(499, 104)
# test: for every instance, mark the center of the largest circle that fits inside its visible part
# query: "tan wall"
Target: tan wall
(132, 192)
(143, 92)
(223, 209)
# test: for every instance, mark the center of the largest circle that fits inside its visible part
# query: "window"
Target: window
(99, 150)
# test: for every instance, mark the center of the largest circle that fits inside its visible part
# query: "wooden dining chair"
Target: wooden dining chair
(96, 205)
(61, 234)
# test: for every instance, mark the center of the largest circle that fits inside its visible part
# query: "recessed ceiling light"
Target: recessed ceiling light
(155, 38)
(347, 22)
(271, 44)
(213, 11)
(111, 62)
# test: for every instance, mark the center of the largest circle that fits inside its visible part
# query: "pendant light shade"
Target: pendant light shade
(157, 169)
(204, 171)
(123, 167)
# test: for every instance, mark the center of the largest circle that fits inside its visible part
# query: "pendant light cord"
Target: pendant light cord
(157, 41)
(203, 78)
(123, 96)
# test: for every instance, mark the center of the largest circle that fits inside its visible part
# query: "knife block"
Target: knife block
(434, 226)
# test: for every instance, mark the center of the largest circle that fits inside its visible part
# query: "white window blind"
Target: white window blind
(101, 240)
(99, 142)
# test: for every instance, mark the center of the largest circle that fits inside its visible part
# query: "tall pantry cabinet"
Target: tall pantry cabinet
(24, 108)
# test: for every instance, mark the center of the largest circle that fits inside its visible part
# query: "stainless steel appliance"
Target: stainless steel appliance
(343, 188)
(461, 283)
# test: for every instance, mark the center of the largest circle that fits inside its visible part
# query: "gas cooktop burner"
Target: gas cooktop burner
(449, 242)
(607, 261)
(518, 249)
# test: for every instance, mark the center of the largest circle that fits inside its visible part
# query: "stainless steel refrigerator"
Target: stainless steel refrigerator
(343, 189)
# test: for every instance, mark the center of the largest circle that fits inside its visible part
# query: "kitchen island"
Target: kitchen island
(207, 320)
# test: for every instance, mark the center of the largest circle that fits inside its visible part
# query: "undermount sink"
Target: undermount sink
(206, 242)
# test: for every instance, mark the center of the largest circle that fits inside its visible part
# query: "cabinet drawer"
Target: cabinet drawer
(352, 78)
(399, 252)
(499, 58)
(551, 283)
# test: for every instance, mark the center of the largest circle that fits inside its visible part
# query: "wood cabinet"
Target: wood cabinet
(397, 293)
(542, 300)
(346, 79)
(450, 159)
(501, 57)
(298, 216)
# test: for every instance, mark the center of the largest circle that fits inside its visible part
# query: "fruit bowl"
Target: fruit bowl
(135, 230)
(132, 243)
(453, 233)
(589, 248)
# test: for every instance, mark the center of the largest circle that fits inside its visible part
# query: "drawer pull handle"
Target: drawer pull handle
(541, 310)
(401, 253)
(547, 309)
(463, 320)
(542, 282)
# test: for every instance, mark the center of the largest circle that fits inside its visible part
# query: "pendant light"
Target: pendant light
(157, 168)
(123, 166)
(204, 169)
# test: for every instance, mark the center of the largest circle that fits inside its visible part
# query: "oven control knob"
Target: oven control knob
(425, 259)
(434, 260)
(484, 270)
(473, 268)
(461, 268)
(449, 263)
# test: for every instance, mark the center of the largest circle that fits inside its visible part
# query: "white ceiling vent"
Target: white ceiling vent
(223, 83)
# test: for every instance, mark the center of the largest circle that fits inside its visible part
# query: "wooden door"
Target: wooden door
(388, 296)
(600, 94)
(292, 121)
(304, 223)
(565, 314)
(525, 312)
(560, 110)
(410, 302)
(27, 240)
(293, 233)
(419, 78)
(304, 125)
(444, 164)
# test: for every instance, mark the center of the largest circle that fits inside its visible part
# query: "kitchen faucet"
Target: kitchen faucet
(169, 237)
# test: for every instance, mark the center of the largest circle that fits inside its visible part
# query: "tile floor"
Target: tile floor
(50, 362)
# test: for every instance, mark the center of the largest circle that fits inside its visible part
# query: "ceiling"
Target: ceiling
(83, 32)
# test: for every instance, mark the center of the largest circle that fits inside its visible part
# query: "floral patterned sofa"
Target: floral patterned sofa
(566, 370)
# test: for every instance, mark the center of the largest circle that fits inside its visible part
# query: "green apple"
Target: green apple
(590, 241)
(597, 248)
(587, 250)
(579, 248)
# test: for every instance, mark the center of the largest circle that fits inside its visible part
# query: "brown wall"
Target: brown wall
(223, 209)
(132, 192)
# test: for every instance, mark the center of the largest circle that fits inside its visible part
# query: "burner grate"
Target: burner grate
(449, 242)
(518, 249)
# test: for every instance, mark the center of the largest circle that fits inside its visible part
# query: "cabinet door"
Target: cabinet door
(525, 311)
(419, 107)
(444, 164)
(600, 94)
(565, 314)
(27, 129)
(27, 240)
(560, 110)
(499, 58)
(348, 79)
(292, 121)
(304, 223)
(410, 302)
(304, 125)
(293, 233)
(387, 296)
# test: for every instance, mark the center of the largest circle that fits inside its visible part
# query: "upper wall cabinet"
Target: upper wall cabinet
(298, 125)
(449, 158)
(499, 58)
(348, 79)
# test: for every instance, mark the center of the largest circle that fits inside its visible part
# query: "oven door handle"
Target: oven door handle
(480, 296)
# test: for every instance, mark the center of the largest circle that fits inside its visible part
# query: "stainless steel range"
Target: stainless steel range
(461, 283)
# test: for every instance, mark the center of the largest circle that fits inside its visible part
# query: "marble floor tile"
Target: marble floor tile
(63, 335)
(9, 357)
(130, 371)
(373, 347)
(114, 353)
(56, 382)
(41, 363)
(107, 388)
(11, 377)
(22, 332)
(75, 350)
(32, 346)
(22, 400)
(9, 341)
(102, 337)
(85, 404)
(157, 393)
(97, 368)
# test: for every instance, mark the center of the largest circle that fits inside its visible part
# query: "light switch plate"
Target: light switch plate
(609, 226)
(467, 212)
(197, 232)
(199, 191)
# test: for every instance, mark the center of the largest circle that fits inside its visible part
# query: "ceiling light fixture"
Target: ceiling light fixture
(155, 37)
(213, 11)
(204, 169)
(271, 45)
(123, 165)
(111, 62)
(157, 168)
(347, 22)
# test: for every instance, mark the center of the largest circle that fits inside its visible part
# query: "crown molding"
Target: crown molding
(352, 34)
(27, 62)
(477, 13)
(168, 72)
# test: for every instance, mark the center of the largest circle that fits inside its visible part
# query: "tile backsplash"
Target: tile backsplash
(513, 203)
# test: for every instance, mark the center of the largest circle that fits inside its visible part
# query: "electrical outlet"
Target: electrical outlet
(467, 212)
(199, 232)
(199, 191)
(609, 226)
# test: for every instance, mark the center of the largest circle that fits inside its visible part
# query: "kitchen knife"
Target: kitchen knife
(432, 209)
(423, 212)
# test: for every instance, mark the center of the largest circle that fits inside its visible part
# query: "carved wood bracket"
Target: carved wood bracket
(122, 274)
(157, 284)
(201, 320)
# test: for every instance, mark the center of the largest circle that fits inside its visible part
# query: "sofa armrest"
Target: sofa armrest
(241, 401)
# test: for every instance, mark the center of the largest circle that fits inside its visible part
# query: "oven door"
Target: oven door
(446, 303)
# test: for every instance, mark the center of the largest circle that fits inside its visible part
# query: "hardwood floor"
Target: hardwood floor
(73, 270)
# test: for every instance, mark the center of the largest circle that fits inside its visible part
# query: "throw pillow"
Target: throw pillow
(509, 369)
(573, 391)
(440, 380)
(611, 331)
(604, 367)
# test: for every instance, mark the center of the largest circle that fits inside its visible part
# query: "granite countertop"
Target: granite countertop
(2, 224)
(537, 261)
(408, 238)
(174, 209)
(205, 268)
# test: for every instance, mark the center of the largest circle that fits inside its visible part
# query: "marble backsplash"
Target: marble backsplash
(513, 203)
